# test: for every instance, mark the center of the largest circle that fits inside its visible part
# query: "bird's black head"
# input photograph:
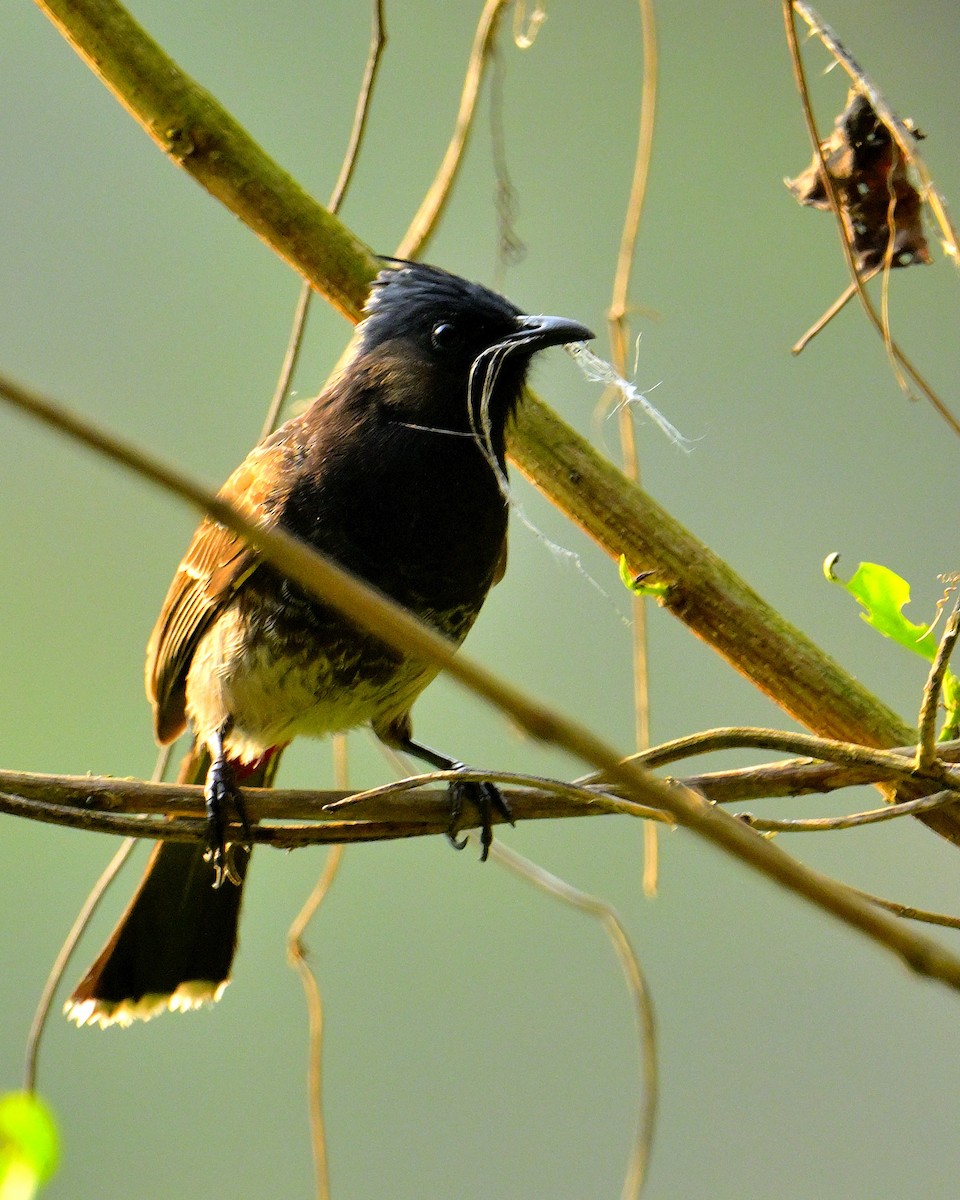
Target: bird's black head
(439, 339)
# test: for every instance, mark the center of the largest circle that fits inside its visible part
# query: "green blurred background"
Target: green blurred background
(479, 1038)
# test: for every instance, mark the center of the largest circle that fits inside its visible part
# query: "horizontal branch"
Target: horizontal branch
(407, 808)
(411, 808)
(532, 797)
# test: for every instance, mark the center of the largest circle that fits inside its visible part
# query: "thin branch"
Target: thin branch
(927, 746)
(373, 612)
(62, 961)
(822, 321)
(583, 902)
(378, 42)
(619, 328)
(909, 913)
(290, 359)
(737, 737)
(792, 777)
(525, 789)
(852, 820)
(893, 349)
(619, 302)
(297, 957)
(425, 221)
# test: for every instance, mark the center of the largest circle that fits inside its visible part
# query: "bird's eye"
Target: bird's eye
(445, 337)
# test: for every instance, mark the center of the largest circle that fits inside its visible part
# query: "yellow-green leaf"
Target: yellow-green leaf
(884, 595)
(638, 583)
(29, 1145)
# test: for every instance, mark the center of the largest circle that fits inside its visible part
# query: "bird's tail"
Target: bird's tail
(173, 947)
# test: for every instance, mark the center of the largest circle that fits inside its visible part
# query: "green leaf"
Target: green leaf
(884, 595)
(29, 1145)
(637, 583)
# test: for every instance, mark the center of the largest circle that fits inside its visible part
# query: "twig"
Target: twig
(421, 229)
(62, 961)
(643, 1009)
(378, 42)
(821, 322)
(619, 302)
(754, 738)
(619, 337)
(297, 957)
(290, 359)
(926, 745)
(576, 795)
(908, 912)
(852, 820)
(324, 579)
(792, 777)
(893, 349)
(75, 933)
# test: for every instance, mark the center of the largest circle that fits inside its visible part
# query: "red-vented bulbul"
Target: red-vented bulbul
(396, 471)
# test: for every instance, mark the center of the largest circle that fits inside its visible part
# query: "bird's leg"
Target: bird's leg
(219, 791)
(486, 797)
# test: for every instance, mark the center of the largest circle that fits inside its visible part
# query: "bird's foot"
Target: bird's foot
(487, 799)
(221, 792)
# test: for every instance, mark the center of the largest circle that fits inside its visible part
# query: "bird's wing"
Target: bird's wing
(215, 565)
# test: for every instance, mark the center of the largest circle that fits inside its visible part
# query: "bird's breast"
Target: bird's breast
(418, 513)
(277, 665)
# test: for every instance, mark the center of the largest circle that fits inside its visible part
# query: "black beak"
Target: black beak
(537, 333)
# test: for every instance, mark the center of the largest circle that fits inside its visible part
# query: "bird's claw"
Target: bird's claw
(487, 799)
(221, 790)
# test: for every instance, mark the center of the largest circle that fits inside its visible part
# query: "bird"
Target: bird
(397, 471)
